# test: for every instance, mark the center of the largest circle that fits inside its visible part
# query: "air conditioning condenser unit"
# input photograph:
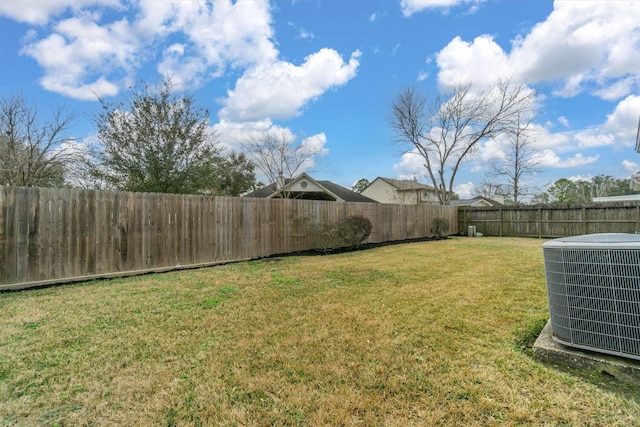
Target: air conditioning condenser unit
(593, 286)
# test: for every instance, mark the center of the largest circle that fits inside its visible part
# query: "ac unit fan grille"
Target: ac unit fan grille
(594, 298)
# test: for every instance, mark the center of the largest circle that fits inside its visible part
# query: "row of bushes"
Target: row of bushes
(352, 231)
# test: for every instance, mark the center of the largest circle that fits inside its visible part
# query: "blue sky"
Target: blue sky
(327, 71)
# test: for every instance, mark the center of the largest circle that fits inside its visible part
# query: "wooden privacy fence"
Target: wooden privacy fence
(551, 221)
(50, 236)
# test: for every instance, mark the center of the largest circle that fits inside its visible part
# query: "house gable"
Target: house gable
(387, 190)
(476, 202)
(307, 188)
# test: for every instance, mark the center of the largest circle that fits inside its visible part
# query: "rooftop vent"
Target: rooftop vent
(593, 285)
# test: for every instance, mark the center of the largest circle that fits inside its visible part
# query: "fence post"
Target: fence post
(584, 220)
(501, 219)
(539, 223)
(464, 218)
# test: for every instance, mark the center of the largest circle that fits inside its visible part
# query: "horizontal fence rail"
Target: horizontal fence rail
(50, 236)
(551, 221)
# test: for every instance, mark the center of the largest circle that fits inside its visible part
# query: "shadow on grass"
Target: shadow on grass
(362, 247)
(525, 338)
(602, 380)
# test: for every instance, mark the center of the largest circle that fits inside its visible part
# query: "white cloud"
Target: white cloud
(92, 47)
(492, 150)
(315, 144)
(411, 165)
(622, 124)
(80, 54)
(280, 89)
(231, 135)
(314, 147)
(629, 166)
(219, 36)
(577, 178)
(304, 34)
(563, 121)
(464, 191)
(183, 71)
(618, 131)
(409, 7)
(595, 48)
(550, 159)
(95, 54)
(480, 62)
(543, 138)
(590, 138)
(41, 12)
(87, 92)
(617, 89)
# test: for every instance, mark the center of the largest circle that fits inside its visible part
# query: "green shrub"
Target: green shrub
(346, 233)
(324, 237)
(440, 227)
(353, 230)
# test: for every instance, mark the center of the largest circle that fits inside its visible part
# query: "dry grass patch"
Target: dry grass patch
(416, 334)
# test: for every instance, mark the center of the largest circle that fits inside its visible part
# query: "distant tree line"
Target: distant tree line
(447, 131)
(152, 141)
(32, 147)
(566, 191)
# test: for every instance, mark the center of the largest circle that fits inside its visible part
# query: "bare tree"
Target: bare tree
(491, 191)
(32, 148)
(597, 186)
(447, 131)
(521, 160)
(277, 155)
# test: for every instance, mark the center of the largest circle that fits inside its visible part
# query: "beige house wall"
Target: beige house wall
(383, 192)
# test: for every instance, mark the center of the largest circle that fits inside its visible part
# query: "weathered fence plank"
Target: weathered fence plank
(4, 207)
(551, 221)
(50, 236)
(22, 233)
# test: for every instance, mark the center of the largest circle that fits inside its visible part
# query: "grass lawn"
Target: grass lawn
(428, 333)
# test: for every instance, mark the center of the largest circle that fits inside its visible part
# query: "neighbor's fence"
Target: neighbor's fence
(52, 236)
(551, 221)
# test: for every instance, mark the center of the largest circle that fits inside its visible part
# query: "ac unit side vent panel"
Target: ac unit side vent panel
(593, 286)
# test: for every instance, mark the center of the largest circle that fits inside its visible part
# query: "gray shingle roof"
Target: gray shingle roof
(340, 191)
(469, 202)
(407, 184)
(344, 193)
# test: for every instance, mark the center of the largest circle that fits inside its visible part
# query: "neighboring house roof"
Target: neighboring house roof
(476, 202)
(406, 184)
(402, 191)
(305, 187)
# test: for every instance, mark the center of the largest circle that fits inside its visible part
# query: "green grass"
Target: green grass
(432, 333)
